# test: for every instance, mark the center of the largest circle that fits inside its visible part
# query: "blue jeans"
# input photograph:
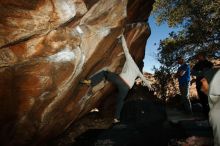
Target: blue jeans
(118, 82)
(184, 91)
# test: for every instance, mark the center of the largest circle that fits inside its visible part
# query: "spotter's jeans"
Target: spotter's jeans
(184, 91)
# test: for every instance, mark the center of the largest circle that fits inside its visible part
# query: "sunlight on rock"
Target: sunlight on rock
(63, 56)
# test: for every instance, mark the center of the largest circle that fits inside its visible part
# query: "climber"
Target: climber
(124, 81)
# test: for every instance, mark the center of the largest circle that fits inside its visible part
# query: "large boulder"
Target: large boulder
(47, 47)
(142, 108)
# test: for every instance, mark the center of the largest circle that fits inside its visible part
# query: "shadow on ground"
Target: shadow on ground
(144, 121)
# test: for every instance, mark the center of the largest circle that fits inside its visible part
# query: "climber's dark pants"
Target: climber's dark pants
(116, 80)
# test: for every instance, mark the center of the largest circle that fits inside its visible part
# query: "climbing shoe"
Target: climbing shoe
(115, 121)
(87, 82)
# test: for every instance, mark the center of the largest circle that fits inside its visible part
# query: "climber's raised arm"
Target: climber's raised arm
(125, 48)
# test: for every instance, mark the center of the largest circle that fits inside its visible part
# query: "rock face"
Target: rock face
(47, 47)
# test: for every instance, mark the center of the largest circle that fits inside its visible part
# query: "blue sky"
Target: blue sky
(157, 33)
